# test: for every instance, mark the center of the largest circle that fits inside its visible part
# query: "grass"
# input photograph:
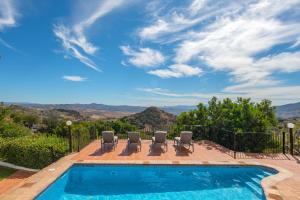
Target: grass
(5, 172)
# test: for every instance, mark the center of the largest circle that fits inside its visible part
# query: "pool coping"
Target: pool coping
(40, 181)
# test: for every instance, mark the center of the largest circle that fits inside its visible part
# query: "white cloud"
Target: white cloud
(73, 37)
(198, 95)
(74, 78)
(177, 71)
(230, 36)
(143, 57)
(232, 42)
(63, 34)
(179, 19)
(279, 95)
(8, 14)
(285, 62)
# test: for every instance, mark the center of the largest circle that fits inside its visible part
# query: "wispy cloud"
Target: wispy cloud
(279, 95)
(4, 43)
(74, 78)
(177, 71)
(171, 21)
(236, 37)
(8, 14)
(63, 34)
(143, 57)
(232, 42)
(73, 37)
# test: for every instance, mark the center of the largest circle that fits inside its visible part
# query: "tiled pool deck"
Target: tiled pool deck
(284, 185)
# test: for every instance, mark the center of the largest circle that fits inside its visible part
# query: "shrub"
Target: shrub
(9, 130)
(221, 118)
(33, 152)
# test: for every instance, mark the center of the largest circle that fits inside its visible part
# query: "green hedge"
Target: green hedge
(10, 130)
(33, 152)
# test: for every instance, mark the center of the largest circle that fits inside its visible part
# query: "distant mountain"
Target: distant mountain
(101, 111)
(94, 106)
(177, 110)
(104, 111)
(288, 111)
(151, 117)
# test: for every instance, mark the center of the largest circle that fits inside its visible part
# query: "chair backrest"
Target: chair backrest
(134, 137)
(160, 136)
(186, 136)
(108, 136)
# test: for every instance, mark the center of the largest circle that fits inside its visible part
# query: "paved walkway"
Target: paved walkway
(285, 185)
(13, 181)
(204, 151)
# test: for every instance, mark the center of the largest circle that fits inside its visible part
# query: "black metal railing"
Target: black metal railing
(297, 142)
(268, 142)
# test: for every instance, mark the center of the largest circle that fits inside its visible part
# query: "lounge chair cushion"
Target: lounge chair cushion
(108, 137)
(160, 137)
(134, 137)
(186, 137)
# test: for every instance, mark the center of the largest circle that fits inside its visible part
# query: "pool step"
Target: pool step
(256, 180)
(253, 184)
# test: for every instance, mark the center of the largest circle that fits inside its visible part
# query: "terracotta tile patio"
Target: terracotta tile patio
(204, 151)
(285, 185)
(13, 181)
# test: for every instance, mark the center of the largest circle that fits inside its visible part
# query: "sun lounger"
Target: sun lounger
(108, 137)
(135, 139)
(184, 139)
(160, 138)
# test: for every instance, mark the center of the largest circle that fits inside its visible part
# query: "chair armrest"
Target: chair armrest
(153, 139)
(116, 139)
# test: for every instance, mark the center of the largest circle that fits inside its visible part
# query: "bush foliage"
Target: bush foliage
(33, 152)
(10, 130)
(221, 118)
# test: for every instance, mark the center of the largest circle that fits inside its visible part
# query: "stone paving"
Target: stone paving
(13, 181)
(284, 185)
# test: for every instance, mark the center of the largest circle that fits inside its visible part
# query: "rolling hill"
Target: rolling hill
(152, 117)
(102, 111)
(288, 111)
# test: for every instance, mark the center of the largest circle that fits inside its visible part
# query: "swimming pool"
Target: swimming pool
(124, 182)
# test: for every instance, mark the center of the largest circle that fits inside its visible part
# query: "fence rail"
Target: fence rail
(268, 142)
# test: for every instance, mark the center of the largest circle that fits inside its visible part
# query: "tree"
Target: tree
(220, 119)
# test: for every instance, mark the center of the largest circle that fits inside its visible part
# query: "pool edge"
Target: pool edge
(47, 176)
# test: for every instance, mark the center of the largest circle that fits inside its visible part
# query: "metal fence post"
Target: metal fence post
(78, 140)
(70, 139)
(234, 146)
(291, 142)
(283, 142)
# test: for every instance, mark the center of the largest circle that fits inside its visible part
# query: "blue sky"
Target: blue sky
(158, 52)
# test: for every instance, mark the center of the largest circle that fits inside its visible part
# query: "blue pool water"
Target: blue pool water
(124, 182)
